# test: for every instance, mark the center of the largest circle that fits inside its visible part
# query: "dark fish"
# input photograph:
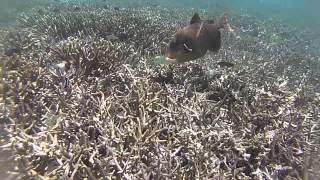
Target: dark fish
(47, 49)
(12, 51)
(77, 8)
(225, 64)
(106, 6)
(123, 36)
(41, 12)
(56, 10)
(194, 40)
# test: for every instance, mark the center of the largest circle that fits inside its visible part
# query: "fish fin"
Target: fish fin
(221, 22)
(215, 35)
(195, 18)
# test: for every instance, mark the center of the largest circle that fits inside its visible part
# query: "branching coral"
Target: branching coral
(83, 100)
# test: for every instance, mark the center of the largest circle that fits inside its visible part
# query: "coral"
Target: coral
(83, 99)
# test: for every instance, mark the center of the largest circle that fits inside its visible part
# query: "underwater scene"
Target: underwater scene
(160, 89)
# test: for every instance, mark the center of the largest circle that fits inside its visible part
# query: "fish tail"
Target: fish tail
(222, 22)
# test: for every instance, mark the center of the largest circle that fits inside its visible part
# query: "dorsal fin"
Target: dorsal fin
(195, 18)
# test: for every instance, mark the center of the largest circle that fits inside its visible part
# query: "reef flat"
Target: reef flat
(83, 98)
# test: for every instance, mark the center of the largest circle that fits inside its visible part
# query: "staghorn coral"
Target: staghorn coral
(81, 104)
(142, 29)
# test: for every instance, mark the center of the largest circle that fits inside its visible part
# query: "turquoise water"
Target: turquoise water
(300, 13)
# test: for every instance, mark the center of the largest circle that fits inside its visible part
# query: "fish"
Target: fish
(12, 51)
(76, 8)
(225, 64)
(194, 40)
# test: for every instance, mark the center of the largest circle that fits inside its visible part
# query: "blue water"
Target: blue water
(300, 13)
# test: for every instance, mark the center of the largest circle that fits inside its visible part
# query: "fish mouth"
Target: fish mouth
(170, 57)
(171, 60)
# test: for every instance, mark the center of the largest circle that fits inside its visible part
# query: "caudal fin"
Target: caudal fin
(222, 22)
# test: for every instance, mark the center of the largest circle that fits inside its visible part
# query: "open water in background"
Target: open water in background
(299, 13)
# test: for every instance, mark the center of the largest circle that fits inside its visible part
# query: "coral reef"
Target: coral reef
(83, 99)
